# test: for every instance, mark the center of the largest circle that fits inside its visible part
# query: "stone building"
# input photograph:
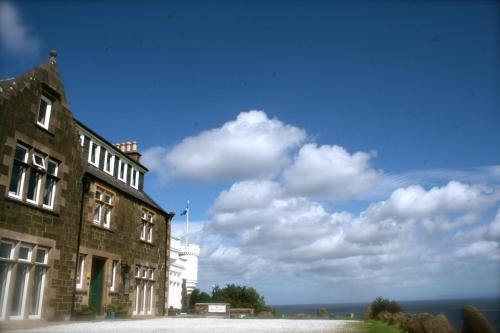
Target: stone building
(76, 227)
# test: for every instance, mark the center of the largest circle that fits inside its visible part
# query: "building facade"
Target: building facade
(183, 271)
(76, 227)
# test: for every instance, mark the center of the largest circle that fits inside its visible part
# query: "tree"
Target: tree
(240, 297)
(382, 304)
(198, 296)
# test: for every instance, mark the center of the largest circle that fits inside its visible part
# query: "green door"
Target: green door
(96, 283)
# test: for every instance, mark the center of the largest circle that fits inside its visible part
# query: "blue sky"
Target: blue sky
(376, 140)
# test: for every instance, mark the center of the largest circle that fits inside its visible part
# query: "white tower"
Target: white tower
(183, 266)
(190, 253)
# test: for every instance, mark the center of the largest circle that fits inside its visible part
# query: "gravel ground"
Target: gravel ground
(200, 325)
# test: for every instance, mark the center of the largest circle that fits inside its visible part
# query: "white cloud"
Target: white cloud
(252, 146)
(485, 249)
(431, 207)
(493, 232)
(330, 171)
(299, 238)
(15, 37)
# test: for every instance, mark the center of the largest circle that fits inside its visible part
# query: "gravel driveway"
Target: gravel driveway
(199, 325)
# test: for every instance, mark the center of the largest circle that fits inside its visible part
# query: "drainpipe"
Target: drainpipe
(166, 264)
(85, 189)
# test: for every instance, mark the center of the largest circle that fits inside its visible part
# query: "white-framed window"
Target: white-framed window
(144, 291)
(122, 170)
(18, 171)
(38, 283)
(28, 264)
(103, 207)
(80, 272)
(94, 153)
(7, 253)
(24, 252)
(112, 284)
(44, 111)
(38, 161)
(50, 184)
(34, 184)
(134, 178)
(147, 224)
(109, 162)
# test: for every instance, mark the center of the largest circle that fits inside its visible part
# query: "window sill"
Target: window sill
(46, 130)
(97, 226)
(31, 205)
(146, 242)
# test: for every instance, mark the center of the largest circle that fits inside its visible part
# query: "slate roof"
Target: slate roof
(130, 160)
(119, 185)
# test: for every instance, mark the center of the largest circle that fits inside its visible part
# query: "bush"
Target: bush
(382, 304)
(87, 310)
(322, 313)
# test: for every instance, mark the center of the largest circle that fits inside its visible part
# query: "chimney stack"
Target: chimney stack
(129, 148)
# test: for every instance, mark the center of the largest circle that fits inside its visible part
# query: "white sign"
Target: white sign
(217, 308)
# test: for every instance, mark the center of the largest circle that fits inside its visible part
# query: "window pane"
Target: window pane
(33, 186)
(19, 290)
(24, 253)
(49, 191)
(122, 170)
(52, 168)
(42, 111)
(20, 154)
(41, 256)
(107, 198)
(97, 213)
(36, 291)
(107, 216)
(98, 194)
(4, 271)
(38, 161)
(79, 273)
(5, 251)
(16, 180)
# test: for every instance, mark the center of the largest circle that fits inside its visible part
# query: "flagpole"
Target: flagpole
(187, 223)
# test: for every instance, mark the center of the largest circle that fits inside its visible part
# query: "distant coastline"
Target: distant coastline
(451, 308)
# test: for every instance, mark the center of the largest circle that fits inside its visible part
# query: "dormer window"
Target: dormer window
(109, 162)
(94, 152)
(122, 171)
(134, 178)
(44, 111)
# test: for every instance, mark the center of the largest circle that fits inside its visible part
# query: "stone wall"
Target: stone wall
(21, 221)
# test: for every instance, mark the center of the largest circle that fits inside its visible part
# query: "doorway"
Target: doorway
(96, 283)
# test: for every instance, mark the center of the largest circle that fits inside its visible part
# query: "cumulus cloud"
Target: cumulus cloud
(299, 237)
(15, 37)
(330, 171)
(431, 207)
(251, 146)
(484, 249)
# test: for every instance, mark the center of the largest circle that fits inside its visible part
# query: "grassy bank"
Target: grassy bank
(375, 326)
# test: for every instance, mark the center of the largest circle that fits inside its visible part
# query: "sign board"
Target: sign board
(219, 308)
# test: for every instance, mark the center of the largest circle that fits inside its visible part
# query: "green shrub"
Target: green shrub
(87, 310)
(382, 304)
(375, 326)
(322, 313)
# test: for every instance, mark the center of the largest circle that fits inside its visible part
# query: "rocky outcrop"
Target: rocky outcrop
(475, 321)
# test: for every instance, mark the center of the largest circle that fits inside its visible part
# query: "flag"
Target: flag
(185, 210)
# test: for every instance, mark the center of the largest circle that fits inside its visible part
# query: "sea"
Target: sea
(451, 308)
